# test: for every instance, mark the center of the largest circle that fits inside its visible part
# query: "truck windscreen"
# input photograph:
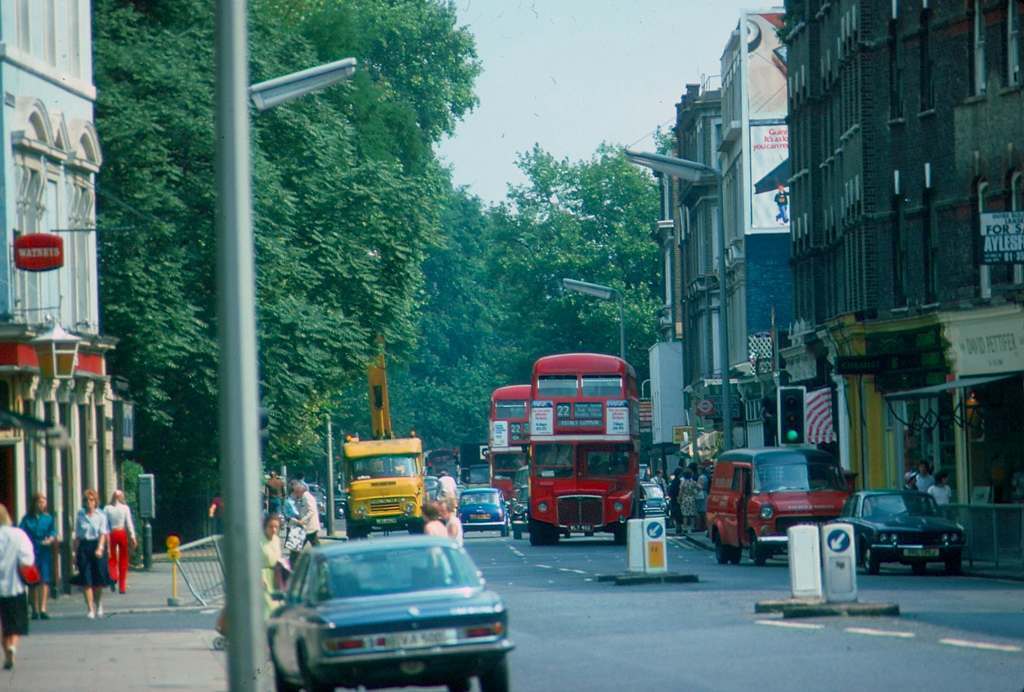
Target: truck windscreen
(382, 467)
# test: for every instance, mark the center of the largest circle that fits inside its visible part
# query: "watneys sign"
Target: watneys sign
(38, 252)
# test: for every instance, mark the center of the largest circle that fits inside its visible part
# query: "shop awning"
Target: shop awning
(935, 389)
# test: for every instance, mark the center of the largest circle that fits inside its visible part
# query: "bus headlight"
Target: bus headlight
(542, 506)
(618, 507)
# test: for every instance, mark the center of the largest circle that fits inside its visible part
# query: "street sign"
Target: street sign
(646, 415)
(1002, 237)
(860, 365)
(38, 252)
(705, 408)
(147, 496)
(838, 540)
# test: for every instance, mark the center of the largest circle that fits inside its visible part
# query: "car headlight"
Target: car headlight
(542, 507)
(894, 538)
(884, 537)
(945, 538)
(618, 507)
(956, 537)
(767, 512)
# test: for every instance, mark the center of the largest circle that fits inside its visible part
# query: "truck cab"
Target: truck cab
(385, 486)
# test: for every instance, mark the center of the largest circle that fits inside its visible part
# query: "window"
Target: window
(1012, 43)
(895, 74)
(553, 461)
(608, 462)
(927, 80)
(380, 572)
(978, 73)
(24, 30)
(741, 479)
(549, 385)
(507, 464)
(899, 253)
(984, 271)
(929, 253)
(383, 467)
(799, 475)
(509, 409)
(50, 33)
(602, 386)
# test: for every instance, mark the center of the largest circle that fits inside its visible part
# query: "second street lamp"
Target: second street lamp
(604, 293)
(693, 171)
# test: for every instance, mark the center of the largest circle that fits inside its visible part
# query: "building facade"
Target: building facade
(907, 133)
(49, 159)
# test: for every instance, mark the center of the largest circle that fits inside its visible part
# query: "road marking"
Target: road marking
(872, 632)
(545, 566)
(987, 646)
(515, 551)
(791, 625)
(209, 611)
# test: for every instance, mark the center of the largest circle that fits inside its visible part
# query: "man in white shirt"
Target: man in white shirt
(924, 478)
(15, 551)
(941, 490)
(309, 515)
(448, 486)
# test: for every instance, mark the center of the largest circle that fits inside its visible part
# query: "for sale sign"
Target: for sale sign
(1002, 237)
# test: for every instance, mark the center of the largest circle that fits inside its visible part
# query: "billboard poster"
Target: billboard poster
(766, 67)
(499, 434)
(618, 418)
(769, 176)
(1002, 237)
(542, 418)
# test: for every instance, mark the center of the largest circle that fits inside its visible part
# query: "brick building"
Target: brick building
(906, 127)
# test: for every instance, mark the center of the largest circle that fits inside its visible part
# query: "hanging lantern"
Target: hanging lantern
(57, 352)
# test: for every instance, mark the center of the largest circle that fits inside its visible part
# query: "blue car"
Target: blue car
(483, 509)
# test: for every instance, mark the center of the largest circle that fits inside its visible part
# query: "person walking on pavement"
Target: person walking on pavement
(39, 526)
(15, 552)
(91, 535)
(122, 533)
(447, 509)
(688, 490)
(924, 478)
(659, 480)
(448, 485)
(673, 501)
(274, 490)
(309, 515)
(270, 551)
(941, 491)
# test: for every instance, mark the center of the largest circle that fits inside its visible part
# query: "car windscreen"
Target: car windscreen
(476, 475)
(399, 570)
(653, 492)
(489, 497)
(782, 472)
(382, 467)
(882, 507)
(553, 461)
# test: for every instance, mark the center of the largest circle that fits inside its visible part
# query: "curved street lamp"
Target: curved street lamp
(604, 293)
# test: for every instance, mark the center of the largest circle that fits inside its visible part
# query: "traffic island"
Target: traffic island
(806, 608)
(634, 578)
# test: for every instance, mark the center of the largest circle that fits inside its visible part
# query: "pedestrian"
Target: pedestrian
(673, 501)
(924, 479)
(448, 486)
(309, 515)
(659, 480)
(91, 535)
(39, 526)
(122, 533)
(447, 508)
(15, 553)
(216, 514)
(941, 491)
(432, 525)
(270, 548)
(274, 491)
(688, 490)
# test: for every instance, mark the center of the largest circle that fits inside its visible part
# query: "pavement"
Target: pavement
(148, 591)
(573, 632)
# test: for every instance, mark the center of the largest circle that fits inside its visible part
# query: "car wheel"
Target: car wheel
(517, 534)
(281, 684)
(620, 534)
(735, 554)
(756, 553)
(954, 565)
(461, 685)
(721, 551)
(310, 683)
(919, 568)
(868, 560)
(538, 533)
(496, 679)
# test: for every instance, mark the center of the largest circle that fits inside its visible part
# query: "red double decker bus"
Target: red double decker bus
(509, 432)
(584, 444)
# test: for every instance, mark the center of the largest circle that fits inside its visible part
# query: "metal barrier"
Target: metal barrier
(202, 569)
(995, 533)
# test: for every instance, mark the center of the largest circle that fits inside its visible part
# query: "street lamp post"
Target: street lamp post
(604, 293)
(236, 317)
(692, 171)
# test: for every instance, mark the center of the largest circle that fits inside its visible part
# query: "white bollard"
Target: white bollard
(655, 554)
(635, 545)
(804, 561)
(839, 559)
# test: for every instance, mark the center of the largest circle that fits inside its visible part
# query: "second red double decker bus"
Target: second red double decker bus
(584, 442)
(509, 427)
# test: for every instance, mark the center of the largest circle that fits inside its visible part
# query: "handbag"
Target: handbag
(29, 574)
(295, 539)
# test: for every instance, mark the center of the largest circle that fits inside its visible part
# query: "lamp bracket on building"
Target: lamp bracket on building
(54, 436)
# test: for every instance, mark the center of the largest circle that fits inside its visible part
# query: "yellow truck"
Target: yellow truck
(384, 476)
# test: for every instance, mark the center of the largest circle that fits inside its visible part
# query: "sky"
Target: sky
(571, 74)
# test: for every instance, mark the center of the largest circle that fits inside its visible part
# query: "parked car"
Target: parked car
(902, 526)
(392, 612)
(483, 509)
(651, 501)
(757, 494)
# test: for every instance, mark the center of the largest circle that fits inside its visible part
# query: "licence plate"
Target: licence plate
(921, 552)
(415, 640)
(387, 520)
(483, 517)
(582, 528)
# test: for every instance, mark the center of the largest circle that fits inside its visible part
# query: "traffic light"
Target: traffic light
(791, 415)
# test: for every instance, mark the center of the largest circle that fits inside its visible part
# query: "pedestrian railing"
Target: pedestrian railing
(202, 569)
(995, 533)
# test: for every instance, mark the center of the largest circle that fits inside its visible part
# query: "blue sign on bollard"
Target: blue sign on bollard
(655, 529)
(838, 541)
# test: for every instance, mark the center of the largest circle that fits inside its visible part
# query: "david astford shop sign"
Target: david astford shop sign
(38, 252)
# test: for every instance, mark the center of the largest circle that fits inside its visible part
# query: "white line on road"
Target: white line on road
(545, 566)
(209, 611)
(987, 646)
(791, 625)
(872, 632)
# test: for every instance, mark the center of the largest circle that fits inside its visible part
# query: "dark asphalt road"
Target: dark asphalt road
(573, 633)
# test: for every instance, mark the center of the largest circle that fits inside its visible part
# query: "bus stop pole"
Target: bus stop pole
(330, 479)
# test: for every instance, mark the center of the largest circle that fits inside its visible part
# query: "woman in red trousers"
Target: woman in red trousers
(122, 532)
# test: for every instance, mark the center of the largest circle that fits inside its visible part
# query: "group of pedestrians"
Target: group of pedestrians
(923, 481)
(441, 518)
(687, 493)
